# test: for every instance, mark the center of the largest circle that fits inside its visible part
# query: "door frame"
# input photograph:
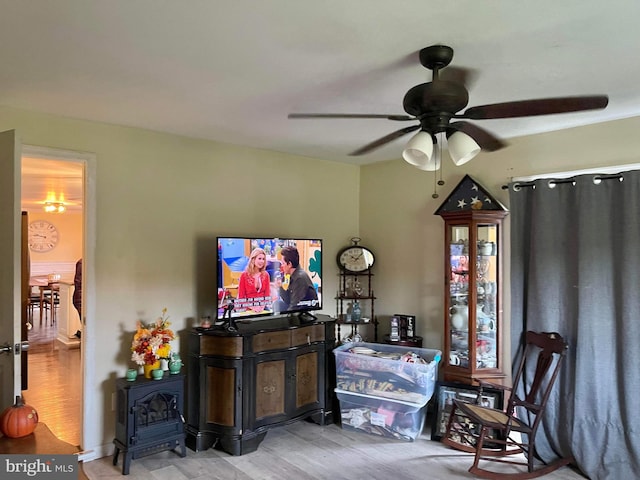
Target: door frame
(89, 161)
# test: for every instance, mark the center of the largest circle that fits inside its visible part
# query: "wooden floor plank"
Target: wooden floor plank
(41, 441)
(55, 387)
(306, 451)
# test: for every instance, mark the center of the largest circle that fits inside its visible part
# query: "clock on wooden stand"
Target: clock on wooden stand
(355, 258)
(355, 299)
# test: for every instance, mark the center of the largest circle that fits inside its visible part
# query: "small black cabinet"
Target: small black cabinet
(149, 417)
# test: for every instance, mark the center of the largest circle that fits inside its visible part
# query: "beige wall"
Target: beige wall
(162, 199)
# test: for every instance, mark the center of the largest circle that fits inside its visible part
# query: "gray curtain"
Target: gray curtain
(575, 269)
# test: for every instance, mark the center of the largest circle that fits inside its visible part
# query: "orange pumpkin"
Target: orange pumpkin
(18, 420)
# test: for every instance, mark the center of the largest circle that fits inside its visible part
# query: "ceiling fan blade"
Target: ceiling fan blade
(386, 139)
(487, 141)
(400, 118)
(528, 108)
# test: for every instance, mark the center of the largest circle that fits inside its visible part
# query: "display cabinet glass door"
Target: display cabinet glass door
(473, 295)
(472, 292)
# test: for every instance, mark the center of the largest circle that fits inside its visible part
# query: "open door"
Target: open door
(25, 323)
(10, 277)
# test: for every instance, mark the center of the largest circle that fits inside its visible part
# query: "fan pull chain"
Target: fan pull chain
(439, 172)
(435, 188)
(441, 181)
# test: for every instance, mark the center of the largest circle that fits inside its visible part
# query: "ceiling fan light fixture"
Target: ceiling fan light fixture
(432, 165)
(419, 152)
(54, 207)
(462, 148)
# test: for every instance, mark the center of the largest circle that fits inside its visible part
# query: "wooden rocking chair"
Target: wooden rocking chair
(492, 434)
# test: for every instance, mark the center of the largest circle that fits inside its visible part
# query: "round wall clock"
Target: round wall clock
(43, 236)
(355, 258)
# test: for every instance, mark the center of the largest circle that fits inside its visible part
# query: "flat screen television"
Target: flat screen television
(261, 277)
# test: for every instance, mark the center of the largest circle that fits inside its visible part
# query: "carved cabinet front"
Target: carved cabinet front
(242, 385)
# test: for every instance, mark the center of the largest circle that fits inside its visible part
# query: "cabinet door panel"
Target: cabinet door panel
(472, 350)
(270, 388)
(220, 396)
(307, 379)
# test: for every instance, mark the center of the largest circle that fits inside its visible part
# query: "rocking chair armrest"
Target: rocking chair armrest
(529, 406)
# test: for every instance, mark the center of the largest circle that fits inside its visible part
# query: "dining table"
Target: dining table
(44, 285)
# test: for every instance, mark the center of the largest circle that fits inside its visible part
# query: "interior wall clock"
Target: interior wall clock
(43, 236)
(355, 258)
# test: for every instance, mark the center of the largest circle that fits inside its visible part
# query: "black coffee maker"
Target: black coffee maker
(406, 326)
(403, 331)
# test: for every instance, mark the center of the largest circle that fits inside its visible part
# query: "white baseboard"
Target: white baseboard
(69, 342)
(96, 452)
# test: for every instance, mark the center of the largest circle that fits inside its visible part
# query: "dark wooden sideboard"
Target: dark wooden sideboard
(268, 373)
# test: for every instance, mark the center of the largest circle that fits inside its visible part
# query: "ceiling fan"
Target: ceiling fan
(436, 106)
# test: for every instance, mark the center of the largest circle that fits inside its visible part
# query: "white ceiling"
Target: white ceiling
(231, 71)
(51, 180)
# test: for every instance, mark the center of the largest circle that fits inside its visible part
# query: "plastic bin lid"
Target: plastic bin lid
(428, 354)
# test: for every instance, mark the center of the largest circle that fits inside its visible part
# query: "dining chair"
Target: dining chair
(51, 300)
(32, 302)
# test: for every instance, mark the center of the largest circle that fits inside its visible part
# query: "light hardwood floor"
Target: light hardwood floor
(306, 451)
(54, 382)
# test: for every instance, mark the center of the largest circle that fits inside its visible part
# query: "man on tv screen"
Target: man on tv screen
(300, 292)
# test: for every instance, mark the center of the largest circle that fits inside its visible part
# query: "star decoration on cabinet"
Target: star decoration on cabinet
(469, 195)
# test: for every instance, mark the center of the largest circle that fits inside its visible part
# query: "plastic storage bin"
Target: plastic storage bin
(387, 371)
(381, 416)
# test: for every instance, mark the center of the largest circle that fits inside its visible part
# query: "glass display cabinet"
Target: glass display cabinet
(472, 299)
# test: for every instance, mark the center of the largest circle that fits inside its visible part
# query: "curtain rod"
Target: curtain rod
(553, 182)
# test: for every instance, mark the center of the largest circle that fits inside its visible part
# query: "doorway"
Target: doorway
(53, 196)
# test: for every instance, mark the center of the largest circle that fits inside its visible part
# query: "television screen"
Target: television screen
(268, 276)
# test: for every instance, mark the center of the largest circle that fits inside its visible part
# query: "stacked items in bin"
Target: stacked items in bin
(379, 416)
(383, 389)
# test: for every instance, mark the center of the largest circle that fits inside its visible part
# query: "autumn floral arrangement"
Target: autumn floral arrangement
(151, 342)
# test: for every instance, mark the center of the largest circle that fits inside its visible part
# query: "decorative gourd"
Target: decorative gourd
(18, 420)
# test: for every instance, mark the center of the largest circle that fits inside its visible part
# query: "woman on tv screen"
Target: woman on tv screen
(255, 285)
